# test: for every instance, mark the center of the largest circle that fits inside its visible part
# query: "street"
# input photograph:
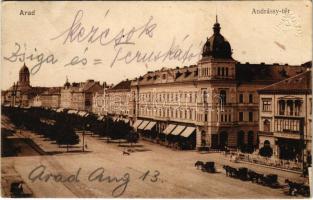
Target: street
(150, 171)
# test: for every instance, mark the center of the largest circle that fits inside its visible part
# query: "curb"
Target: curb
(282, 169)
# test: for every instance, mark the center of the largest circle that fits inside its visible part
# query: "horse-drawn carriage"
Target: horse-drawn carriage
(295, 189)
(18, 191)
(206, 167)
(209, 167)
(270, 180)
(244, 174)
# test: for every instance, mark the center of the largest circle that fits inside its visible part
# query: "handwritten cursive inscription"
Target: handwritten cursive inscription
(39, 58)
(121, 183)
(79, 33)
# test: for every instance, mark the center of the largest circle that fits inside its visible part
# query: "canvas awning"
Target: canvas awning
(178, 130)
(143, 125)
(59, 109)
(72, 111)
(100, 118)
(169, 129)
(150, 126)
(82, 113)
(188, 131)
(126, 120)
(137, 123)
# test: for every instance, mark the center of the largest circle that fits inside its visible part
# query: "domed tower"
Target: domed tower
(217, 61)
(24, 77)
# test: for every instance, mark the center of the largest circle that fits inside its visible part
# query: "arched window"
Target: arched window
(223, 71)
(218, 71)
(223, 139)
(282, 107)
(267, 143)
(226, 71)
(240, 138)
(250, 137)
(223, 97)
(266, 126)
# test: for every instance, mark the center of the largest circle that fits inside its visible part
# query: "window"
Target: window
(267, 104)
(205, 94)
(250, 116)
(219, 71)
(282, 107)
(240, 98)
(250, 98)
(226, 71)
(241, 116)
(206, 117)
(222, 71)
(223, 97)
(310, 106)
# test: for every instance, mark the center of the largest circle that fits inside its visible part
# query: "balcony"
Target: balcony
(266, 133)
(288, 135)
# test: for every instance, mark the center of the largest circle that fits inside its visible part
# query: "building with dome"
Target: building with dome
(213, 104)
(21, 94)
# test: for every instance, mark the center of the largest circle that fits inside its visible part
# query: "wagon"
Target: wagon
(209, 167)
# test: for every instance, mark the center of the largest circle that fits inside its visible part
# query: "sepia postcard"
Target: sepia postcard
(149, 99)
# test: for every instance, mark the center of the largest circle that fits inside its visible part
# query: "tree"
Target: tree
(266, 151)
(132, 137)
(66, 135)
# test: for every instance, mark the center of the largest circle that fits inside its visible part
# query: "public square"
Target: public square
(170, 173)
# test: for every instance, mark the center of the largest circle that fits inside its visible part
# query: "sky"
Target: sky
(107, 41)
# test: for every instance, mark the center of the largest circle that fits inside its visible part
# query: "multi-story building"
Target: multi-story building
(51, 98)
(118, 100)
(214, 103)
(99, 105)
(79, 96)
(286, 117)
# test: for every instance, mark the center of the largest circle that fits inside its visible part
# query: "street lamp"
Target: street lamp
(87, 125)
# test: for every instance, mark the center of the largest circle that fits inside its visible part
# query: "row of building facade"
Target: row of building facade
(216, 103)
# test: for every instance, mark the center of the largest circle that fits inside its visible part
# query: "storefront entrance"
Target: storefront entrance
(290, 149)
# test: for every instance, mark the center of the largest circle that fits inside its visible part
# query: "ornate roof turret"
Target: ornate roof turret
(24, 70)
(217, 46)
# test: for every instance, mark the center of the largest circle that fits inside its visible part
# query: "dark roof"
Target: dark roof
(53, 91)
(123, 85)
(24, 70)
(301, 83)
(216, 46)
(266, 72)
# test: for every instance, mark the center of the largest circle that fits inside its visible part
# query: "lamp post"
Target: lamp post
(87, 125)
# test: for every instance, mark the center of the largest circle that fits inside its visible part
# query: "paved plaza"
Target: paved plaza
(150, 171)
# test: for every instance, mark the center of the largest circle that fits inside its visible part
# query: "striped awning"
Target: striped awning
(59, 109)
(150, 126)
(143, 125)
(82, 113)
(169, 129)
(178, 130)
(188, 131)
(72, 111)
(100, 118)
(137, 123)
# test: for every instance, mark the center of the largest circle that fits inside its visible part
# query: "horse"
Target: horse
(227, 169)
(297, 188)
(199, 164)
